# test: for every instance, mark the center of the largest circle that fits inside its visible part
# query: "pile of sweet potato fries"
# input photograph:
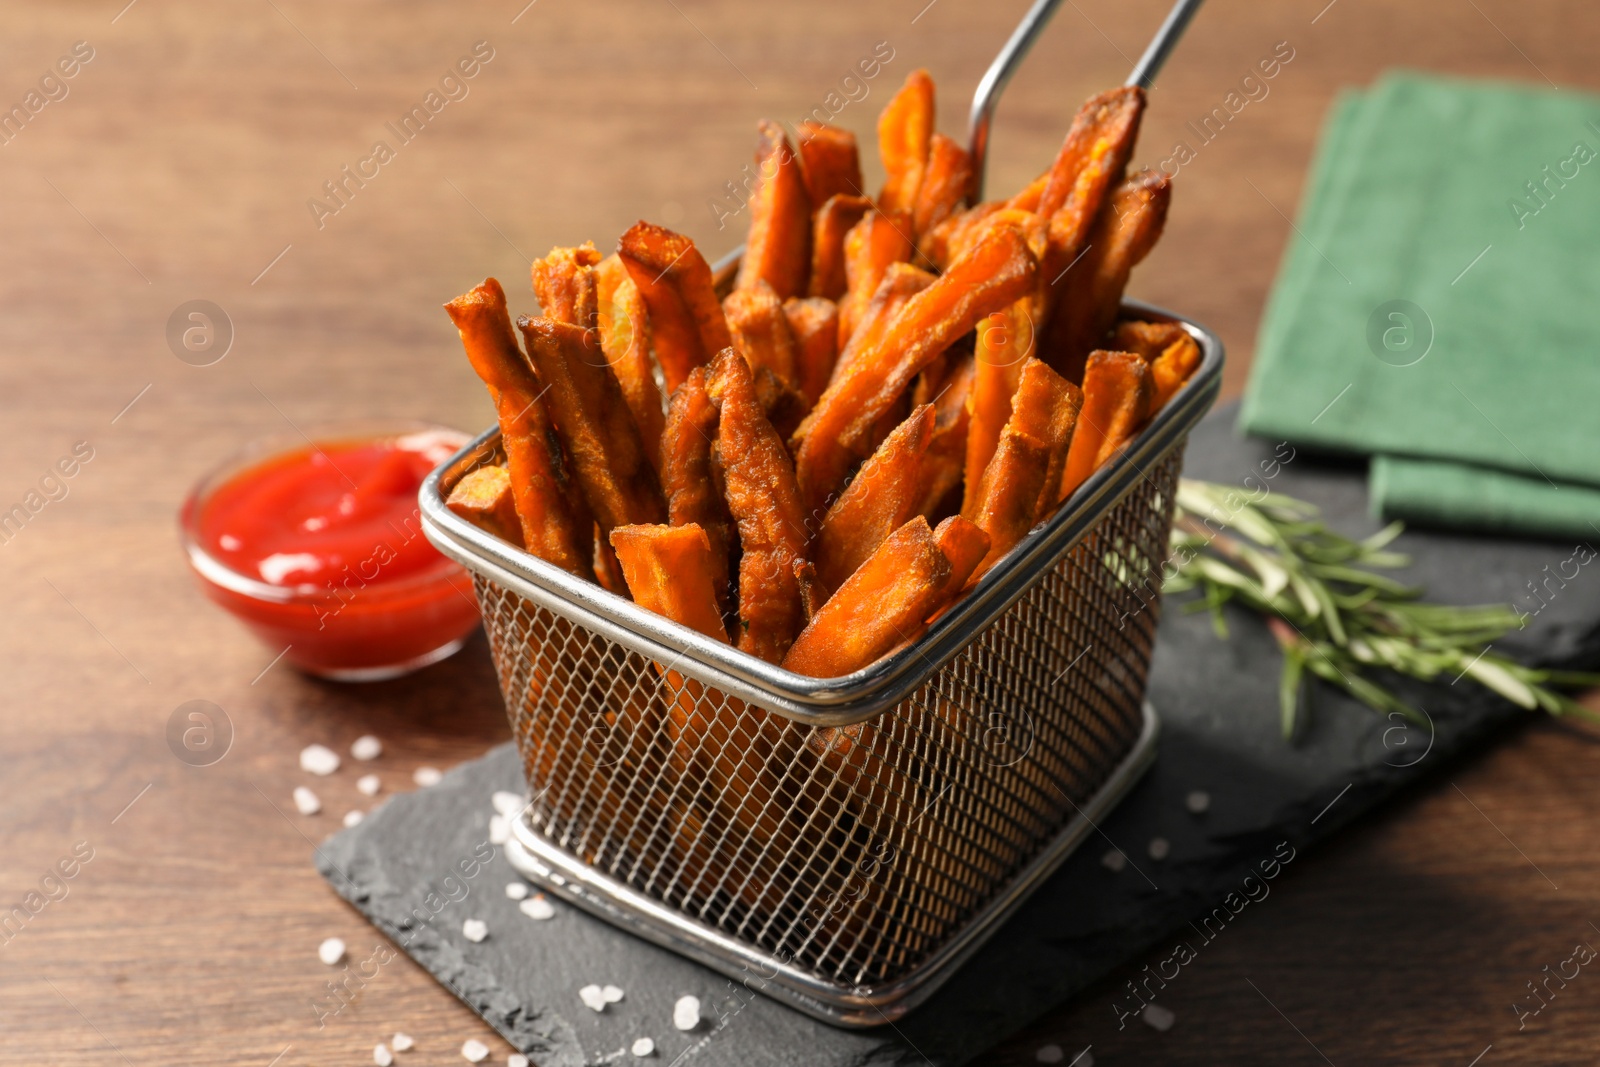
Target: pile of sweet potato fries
(814, 457)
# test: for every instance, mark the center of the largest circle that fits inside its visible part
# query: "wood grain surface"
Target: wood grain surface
(178, 166)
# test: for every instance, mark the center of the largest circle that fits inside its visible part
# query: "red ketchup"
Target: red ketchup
(319, 550)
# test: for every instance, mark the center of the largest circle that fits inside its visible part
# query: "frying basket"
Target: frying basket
(841, 845)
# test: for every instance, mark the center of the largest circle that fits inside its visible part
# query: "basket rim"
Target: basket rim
(855, 697)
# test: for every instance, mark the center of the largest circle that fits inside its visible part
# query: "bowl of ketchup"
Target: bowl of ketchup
(316, 545)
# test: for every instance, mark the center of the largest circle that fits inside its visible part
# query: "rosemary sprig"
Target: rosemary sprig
(1336, 618)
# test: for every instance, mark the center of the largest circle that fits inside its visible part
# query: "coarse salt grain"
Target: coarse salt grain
(382, 1056)
(612, 994)
(426, 776)
(643, 1047)
(352, 817)
(1049, 1054)
(592, 996)
(474, 930)
(1159, 847)
(368, 785)
(1158, 1018)
(475, 1051)
(499, 829)
(1198, 802)
(319, 760)
(402, 1042)
(686, 1013)
(537, 907)
(366, 747)
(305, 801)
(1114, 860)
(507, 803)
(516, 1059)
(517, 890)
(331, 951)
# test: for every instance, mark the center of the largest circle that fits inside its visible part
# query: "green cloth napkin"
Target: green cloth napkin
(1433, 312)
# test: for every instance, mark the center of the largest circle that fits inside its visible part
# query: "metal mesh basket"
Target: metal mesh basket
(844, 843)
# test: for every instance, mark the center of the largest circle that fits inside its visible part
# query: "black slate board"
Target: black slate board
(1218, 704)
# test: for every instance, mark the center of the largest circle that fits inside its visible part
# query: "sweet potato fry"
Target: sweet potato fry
(761, 331)
(945, 185)
(885, 603)
(1147, 340)
(965, 545)
(1096, 150)
(829, 161)
(1177, 362)
(1089, 294)
(994, 273)
(1046, 407)
(942, 464)
(564, 282)
(671, 571)
(881, 498)
(765, 502)
(594, 425)
(1027, 198)
(556, 525)
(783, 404)
(1116, 395)
(831, 224)
(905, 130)
(873, 245)
(1005, 342)
(814, 322)
(607, 568)
(943, 241)
(900, 283)
(778, 250)
(686, 323)
(483, 497)
(693, 496)
(625, 340)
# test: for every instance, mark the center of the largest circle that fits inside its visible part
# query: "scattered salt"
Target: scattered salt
(517, 890)
(475, 1051)
(1158, 1018)
(516, 1059)
(686, 1013)
(1114, 860)
(331, 951)
(508, 803)
(402, 1042)
(475, 930)
(366, 747)
(612, 994)
(353, 817)
(1159, 847)
(537, 907)
(643, 1047)
(369, 784)
(305, 801)
(1050, 1054)
(593, 996)
(426, 776)
(499, 829)
(1198, 802)
(382, 1056)
(319, 760)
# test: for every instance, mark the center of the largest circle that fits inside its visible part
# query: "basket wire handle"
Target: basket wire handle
(1012, 53)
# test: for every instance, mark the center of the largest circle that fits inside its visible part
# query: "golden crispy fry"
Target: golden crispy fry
(945, 185)
(1046, 407)
(1089, 295)
(1096, 149)
(1116, 395)
(900, 283)
(1172, 354)
(832, 223)
(671, 570)
(814, 322)
(483, 497)
(1005, 343)
(994, 273)
(693, 496)
(556, 525)
(778, 250)
(761, 331)
(905, 130)
(871, 247)
(965, 545)
(942, 464)
(686, 323)
(829, 161)
(593, 422)
(885, 603)
(625, 340)
(765, 501)
(881, 498)
(564, 282)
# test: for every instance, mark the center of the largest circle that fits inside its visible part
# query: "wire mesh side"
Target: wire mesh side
(851, 853)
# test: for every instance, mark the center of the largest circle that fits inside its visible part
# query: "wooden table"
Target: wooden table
(179, 166)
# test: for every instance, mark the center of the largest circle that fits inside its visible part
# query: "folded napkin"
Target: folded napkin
(1439, 305)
